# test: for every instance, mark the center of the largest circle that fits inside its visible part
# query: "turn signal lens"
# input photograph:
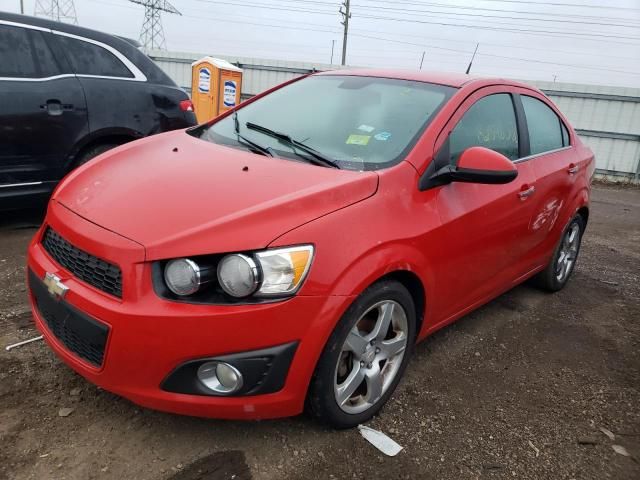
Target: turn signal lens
(283, 269)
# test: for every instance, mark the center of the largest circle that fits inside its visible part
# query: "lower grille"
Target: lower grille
(88, 268)
(78, 332)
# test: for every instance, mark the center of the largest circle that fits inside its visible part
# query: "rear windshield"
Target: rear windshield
(361, 123)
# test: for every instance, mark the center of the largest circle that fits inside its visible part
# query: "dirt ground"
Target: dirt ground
(518, 389)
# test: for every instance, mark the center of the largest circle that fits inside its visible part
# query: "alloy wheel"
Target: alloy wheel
(568, 252)
(371, 356)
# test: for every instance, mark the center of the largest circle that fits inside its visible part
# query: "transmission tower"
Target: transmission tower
(60, 10)
(152, 34)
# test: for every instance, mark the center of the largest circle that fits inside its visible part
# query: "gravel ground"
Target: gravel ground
(518, 389)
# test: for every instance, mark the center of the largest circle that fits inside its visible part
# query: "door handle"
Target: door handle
(526, 192)
(573, 169)
(55, 107)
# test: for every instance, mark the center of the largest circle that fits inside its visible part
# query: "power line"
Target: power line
(519, 30)
(486, 9)
(480, 15)
(555, 4)
(499, 56)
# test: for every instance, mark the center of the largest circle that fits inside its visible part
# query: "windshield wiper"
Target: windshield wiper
(317, 157)
(248, 143)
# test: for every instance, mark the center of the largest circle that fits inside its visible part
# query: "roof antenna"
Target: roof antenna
(472, 57)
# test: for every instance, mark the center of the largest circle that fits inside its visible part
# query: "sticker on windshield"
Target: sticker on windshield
(358, 139)
(366, 128)
(382, 136)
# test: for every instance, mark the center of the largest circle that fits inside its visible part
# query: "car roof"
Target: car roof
(450, 79)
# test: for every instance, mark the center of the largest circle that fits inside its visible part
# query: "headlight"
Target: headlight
(273, 273)
(238, 275)
(184, 277)
(283, 269)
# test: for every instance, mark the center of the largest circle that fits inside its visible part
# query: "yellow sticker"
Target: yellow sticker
(358, 139)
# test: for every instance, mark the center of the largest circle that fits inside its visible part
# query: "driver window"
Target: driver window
(490, 123)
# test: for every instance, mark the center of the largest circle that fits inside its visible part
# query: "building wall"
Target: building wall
(606, 118)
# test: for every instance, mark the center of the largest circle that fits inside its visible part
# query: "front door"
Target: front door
(484, 233)
(42, 112)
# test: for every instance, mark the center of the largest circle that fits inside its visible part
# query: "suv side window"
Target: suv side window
(89, 59)
(25, 54)
(546, 131)
(490, 123)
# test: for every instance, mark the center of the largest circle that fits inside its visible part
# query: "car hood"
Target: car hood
(178, 195)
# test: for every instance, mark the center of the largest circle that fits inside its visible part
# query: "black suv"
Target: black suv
(68, 94)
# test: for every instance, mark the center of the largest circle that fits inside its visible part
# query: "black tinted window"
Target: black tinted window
(544, 126)
(47, 62)
(490, 123)
(24, 54)
(89, 59)
(565, 135)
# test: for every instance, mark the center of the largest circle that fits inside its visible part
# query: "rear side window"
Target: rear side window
(25, 54)
(490, 123)
(546, 131)
(90, 59)
(565, 135)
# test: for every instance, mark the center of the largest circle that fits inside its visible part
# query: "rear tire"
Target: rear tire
(93, 152)
(364, 357)
(557, 273)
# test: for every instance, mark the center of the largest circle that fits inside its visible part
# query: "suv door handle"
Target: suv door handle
(55, 107)
(526, 192)
(573, 169)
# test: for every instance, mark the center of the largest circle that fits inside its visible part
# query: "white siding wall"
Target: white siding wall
(606, 118)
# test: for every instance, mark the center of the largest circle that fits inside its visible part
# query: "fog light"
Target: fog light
(220, 377)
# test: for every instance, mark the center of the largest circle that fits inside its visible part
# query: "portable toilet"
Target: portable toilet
(215, 87)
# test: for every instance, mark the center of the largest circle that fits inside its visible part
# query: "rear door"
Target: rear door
(119, 98)
(42, 111)
(484, 229)
(555, 167)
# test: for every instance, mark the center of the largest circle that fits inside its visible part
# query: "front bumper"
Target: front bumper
(148, 338)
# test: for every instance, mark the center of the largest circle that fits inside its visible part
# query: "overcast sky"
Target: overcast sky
(578, 41)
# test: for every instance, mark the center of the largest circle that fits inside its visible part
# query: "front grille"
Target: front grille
(92, 270)
(78, 332)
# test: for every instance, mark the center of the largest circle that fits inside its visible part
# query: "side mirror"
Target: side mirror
(477, 165)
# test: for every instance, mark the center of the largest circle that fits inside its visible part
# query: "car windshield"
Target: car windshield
(358, 123)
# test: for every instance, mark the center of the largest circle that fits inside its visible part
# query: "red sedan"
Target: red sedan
(292, 252)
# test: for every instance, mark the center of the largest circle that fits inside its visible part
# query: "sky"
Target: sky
(577, 41)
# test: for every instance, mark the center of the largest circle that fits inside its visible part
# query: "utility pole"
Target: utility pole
(22, 7)
(472, 57)
(422, 60)
(346, 15)
(59, 10)
(333, 44)
(152, 33)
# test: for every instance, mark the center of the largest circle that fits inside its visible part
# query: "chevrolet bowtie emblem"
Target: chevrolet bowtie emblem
(54, 285)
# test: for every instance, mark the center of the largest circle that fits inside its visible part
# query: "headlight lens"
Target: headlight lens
(238, 275)
(183, 276)
(283, 269)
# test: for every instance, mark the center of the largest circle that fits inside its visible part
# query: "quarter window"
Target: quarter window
(25, 54)
(90, 59)
(546, 131)
(490, 123)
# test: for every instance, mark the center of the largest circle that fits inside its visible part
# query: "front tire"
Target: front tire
(365, 356)
(559, 270)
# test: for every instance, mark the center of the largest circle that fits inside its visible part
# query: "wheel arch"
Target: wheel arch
(584, 213)
(117, 136)
(416, 289)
